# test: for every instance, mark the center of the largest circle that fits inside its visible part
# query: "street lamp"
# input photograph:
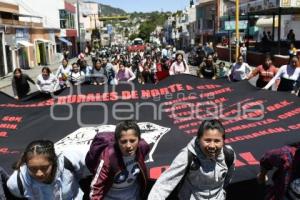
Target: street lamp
(78, 24)
(174, 32)
(237, 29)
(213, 15)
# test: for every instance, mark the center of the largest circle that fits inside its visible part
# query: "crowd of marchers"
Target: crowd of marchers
(116, 161)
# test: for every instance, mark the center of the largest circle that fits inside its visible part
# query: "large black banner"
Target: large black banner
(168, 113)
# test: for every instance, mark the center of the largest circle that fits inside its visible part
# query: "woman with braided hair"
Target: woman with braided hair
(41, 173)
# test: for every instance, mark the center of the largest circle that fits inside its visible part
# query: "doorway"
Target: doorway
(8, 59)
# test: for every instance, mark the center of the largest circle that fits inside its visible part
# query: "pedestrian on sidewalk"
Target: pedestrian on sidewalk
(20, 84)
(291, 36)
(81, 62)
(66, 53)
(292, 50)
(243, 51)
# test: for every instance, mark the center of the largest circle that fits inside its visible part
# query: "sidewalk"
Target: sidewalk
(33, 72)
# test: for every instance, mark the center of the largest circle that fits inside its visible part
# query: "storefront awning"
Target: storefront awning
(267, 22)
(45, 41)
(67, 42)
(24, 43)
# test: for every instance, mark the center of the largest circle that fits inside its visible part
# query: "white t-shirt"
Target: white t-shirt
(47, 85)
(63, 71)
(243, 50)
(287, 72)
(179, 68)
(76, 77)
(240, 72)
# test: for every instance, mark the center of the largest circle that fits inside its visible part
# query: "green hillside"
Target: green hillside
(107, 10)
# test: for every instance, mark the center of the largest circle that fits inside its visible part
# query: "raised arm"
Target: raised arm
(168, 181)
(273, 80)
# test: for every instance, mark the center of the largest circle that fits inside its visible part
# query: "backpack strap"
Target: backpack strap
(228, 153)
(68, 165)
(229, 156)
(176, 190)
(20, 185)
(191, 157)
(184, 64)
(71, 77)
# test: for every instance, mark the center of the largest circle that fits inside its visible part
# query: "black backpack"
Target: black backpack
(4, 192)
(229, 159)
(67, 165)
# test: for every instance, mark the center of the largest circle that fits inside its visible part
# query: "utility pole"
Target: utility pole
(99, 16)
(217, 24)
(237, 29)
(78, 24)
(95, 19)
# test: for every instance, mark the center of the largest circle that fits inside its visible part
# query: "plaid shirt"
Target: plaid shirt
(282, 160)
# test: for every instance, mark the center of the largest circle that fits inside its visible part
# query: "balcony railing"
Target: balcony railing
(253, 6)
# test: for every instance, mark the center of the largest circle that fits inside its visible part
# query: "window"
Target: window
(63, 24)
(66, 19)
(62, 14)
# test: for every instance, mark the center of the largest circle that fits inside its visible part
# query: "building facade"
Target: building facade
(32, 32)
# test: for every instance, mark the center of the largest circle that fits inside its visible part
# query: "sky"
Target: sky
(147, 5)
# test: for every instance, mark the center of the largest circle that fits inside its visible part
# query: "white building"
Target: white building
(28, 37)
(89, 18)
(192, 24)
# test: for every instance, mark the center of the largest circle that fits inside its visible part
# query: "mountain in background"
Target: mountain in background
(107, 10)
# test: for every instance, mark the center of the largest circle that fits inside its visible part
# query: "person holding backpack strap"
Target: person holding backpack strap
(121, 172)
(41, 174)
(202, 170)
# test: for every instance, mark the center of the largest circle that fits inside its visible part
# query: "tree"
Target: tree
(126, 32)
(133, 36)
(146, 28)
(153, 20)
